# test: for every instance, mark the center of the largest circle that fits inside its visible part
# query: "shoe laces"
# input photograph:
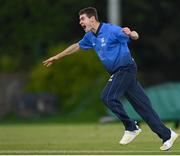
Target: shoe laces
(127, 133)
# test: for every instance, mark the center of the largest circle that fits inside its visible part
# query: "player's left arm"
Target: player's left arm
(132, 34)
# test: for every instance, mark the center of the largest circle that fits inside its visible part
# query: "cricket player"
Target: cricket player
(110, 42)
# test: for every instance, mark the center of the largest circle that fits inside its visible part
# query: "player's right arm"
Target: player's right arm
(70, 50)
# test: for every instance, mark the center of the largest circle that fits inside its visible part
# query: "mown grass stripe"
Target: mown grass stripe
(87, 151)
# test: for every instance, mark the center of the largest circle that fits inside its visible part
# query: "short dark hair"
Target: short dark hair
(89, 11)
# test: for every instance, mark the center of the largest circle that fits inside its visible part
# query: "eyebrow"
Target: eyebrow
(81, 18)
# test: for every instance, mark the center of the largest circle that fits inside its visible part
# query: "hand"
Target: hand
(134, 35)
(49, 61)
(126, 30)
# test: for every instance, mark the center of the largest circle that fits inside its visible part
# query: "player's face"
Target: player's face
(85, 22)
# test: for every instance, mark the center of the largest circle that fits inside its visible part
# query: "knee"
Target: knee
(105, 99)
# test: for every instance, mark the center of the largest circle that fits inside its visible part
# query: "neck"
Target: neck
(95, 27)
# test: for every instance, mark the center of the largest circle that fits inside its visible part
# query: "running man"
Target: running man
(111, 45)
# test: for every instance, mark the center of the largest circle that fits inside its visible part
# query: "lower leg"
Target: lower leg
(142, 105)
(117, 108)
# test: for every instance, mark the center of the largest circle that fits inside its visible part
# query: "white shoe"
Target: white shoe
(129, 136)
(169, 143)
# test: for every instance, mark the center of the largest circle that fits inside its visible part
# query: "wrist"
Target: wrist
(56, 57)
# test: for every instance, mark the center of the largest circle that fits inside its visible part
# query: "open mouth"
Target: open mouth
(84, 27)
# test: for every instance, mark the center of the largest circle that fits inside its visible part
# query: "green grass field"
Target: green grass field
(88, 138)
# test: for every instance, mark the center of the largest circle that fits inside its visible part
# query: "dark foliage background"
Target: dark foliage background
(32, 30)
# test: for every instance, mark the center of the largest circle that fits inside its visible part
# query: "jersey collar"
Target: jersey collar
(97, 32)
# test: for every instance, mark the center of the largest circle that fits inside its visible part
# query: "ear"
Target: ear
(92, 19)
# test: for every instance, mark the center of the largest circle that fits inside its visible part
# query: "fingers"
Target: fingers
(48, 62)
(126, 30)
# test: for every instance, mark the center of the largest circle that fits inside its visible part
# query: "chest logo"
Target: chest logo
(103, 42)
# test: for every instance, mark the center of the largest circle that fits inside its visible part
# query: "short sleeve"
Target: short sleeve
(120, 35)
(85, 43)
